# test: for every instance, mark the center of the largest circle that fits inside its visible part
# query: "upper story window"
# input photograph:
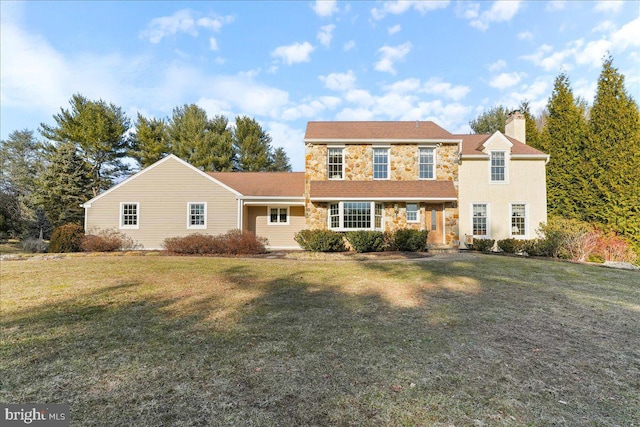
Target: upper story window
(413, 212)
(278, 216)
(197, 215)
(380, 163)
(498, 166)
(426, 163)
(129, 215)
(335, 163)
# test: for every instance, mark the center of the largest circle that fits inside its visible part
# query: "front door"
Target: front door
(433, 214)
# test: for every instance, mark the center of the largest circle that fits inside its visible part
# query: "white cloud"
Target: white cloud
(555, 5)
(505, 80)
(325, 34)
(339, 81)
(294, 53)
(325, 7)
(525, 35)
(395, 29)
(213, 44)
(404, 86)
(389, 55)
(398, 7)
(349, 45)
(356, 114)
(436, 86)
(360, 97)
(183, 21)
(500, 11)
(593, 52)
(289, 138)
(627, 36)
(608, 6)
(497, 66)
(311, 109)
(603, 27)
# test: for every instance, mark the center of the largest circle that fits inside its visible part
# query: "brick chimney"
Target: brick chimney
(515, 126)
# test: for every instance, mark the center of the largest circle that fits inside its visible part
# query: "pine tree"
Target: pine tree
(99, 132)
(280, 161)
(533, 135)
(563, 139)
(150, 142)
(614, 156)
(64, 186)
(204, 143)
(490, 121)
(252, 145)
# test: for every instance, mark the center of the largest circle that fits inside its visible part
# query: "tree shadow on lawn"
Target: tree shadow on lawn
(297, 349)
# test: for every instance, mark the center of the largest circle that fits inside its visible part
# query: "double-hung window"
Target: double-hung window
(380, 163)
(196, 215)
(498, 166)
(426, 163)
(518, 219)
(129, 215)
(355, 216)
(413, 212)
(335, 163)
(480, 220)
(278, 216)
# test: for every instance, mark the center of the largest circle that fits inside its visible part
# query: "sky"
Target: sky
(289, 62)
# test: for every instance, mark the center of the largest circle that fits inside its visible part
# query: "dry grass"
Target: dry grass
(480, 340)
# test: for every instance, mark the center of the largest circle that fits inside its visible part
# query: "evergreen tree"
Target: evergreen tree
(614, 156)
(563, 139)
(280, 161)
(252, 145)
(204, 143)
(64, 185)
(150, 142)
(98, 131)
(490, 121)
(21, 160)
(533, 134)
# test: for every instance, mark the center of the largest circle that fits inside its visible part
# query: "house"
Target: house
(358, 175)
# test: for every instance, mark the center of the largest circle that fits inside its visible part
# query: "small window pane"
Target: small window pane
(426, 163)
(334, 163)
(412, 212)
(434, 220)
(283, 215)
(497, 166)
(380, 163)
(273, 214)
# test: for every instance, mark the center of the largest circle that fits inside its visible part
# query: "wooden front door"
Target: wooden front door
(434, 223)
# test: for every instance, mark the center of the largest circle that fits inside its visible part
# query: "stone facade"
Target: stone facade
(358, 166)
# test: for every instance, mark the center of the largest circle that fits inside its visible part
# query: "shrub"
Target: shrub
(66, 238)
(483, 245)
(512, 246)
(613, 247)
(320, 240)
(536, 247)
(107, 240)
(569, 238)
(390, 241)
(411, 240)
(366, 240)
(234, 242)
(33, 245)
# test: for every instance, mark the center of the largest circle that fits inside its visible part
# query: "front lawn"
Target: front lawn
(467, 340)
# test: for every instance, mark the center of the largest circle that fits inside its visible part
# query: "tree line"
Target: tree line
(593, 173)
(44, 181)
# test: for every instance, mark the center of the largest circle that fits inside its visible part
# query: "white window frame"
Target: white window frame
(506, 167)
(279, 208)
(124, 226)
(488, 221)
(329, 148)
(387, 150)
(196, 226)
(417, 212)
(340, 216)
(526, 220)
(433, 165)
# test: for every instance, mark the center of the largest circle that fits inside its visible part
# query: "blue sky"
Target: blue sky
(289, 62)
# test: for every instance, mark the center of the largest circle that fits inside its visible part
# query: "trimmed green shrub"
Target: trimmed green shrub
(411, 240)
(34, 246)
(366, 240)
(511, 246)
(536, 247)
(66, 238)
(320, 240)
(234, 242)
(107, 240)
(483, 245)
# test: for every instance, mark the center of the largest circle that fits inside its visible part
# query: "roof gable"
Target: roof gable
(497, 141)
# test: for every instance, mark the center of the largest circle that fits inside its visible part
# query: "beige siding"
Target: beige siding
(525, 184)
(280, 235)
(163, 192)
